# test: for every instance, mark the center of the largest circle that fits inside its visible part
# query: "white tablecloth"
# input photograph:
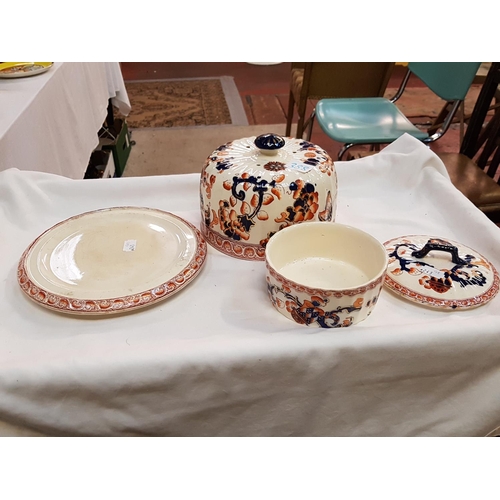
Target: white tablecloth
(49, 122)
(217, 359)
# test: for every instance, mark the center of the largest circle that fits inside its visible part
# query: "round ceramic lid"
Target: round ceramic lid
(439, 273)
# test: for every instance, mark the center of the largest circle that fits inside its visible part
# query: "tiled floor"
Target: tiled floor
(264, 91)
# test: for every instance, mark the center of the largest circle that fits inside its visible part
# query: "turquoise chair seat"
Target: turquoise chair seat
(360, 120)
(376, 120)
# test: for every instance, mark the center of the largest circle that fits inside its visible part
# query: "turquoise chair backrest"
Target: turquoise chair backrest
(449, 80)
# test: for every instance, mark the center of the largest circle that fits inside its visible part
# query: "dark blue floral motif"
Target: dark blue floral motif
(311, 311)
(311, 161)
(305, 204)
(237, 226)
(456, 274)
(307, 188)
(306, 145)
(224, 164)
(234, 228)
(224, 147)
(260, 186)
(372, 302)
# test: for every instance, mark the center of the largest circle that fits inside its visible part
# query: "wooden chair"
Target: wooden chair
(475, 170)
(318, 80)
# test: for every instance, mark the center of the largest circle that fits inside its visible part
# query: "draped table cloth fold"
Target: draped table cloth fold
(216, 359)
(49, 122)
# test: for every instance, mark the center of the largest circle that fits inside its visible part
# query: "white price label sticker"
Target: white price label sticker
(432, 271)
(301, 167)
(129, 245)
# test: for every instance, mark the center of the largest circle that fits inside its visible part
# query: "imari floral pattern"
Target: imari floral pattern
(312, 310)
(469, 281)
(247, 197)
(311, 307)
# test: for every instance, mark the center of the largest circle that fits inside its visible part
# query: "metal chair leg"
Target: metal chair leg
(344, 150)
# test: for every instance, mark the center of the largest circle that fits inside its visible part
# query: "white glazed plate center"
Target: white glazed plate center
(111, 253)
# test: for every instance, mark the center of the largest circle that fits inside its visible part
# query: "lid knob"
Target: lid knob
(269, 144)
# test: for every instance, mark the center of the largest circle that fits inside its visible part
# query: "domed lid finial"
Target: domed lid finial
(269, 144)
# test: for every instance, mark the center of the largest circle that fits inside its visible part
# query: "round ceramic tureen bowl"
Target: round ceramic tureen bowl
(325, 275)
(253, 187)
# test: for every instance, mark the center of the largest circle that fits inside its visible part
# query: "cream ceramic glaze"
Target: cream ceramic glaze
(111, 260)
(327, 275)
(249, 193)
(439, 273)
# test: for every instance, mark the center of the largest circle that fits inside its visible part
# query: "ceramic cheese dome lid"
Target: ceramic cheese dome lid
(439, 272)
(253, 187)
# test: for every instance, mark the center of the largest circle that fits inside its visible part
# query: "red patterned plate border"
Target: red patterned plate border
(452, 304)
(115, 304)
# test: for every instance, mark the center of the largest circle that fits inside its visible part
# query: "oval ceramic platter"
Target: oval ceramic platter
(23, 69)
(111, 260)
(439, 273)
